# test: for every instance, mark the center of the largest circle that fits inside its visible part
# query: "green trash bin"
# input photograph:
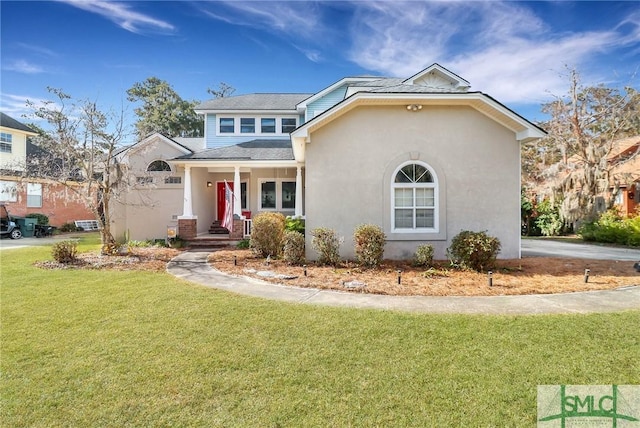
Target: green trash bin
(27, 226)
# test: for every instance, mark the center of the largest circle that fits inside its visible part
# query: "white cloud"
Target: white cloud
(23, 66)
(16, 106)
(122, 15)
(298, 18)
(42, 51)
(503, 49)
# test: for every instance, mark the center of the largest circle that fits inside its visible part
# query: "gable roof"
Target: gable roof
(436, 76)
(525, 131)
(257, 150)
(9, 122)
(253, 102)
(156, 136)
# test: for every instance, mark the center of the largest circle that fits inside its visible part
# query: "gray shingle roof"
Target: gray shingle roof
(250, 150)
(9, 122)
(255, 102)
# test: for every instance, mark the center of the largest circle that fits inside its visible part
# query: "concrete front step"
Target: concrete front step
(212, 242)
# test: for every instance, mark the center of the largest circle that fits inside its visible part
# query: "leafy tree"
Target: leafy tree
(576, 160)
(164, 111)
(79, 143)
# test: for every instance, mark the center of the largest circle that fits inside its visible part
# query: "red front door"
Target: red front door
(220, 197)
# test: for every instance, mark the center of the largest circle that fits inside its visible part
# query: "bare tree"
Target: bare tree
(79, 145)
(223, 90)
(577, 158)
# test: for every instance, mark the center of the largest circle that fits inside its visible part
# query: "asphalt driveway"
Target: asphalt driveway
(554, 248)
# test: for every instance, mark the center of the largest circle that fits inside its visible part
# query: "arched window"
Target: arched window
(158, 165)
(414, 196)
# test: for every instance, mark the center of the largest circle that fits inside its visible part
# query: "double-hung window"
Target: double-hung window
(415, 200)
(268, 125)
(288, 125)
(277, 195)
(34, 195)
(227, 125)
(248, 125)
(6, 141)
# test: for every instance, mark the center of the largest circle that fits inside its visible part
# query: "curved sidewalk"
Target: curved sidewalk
(193, 266)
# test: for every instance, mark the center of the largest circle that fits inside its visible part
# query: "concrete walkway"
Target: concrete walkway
(193, 266)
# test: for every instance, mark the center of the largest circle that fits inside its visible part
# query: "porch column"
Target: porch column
(187, 206)
(237, 202)
(298, 207)
(187, 222)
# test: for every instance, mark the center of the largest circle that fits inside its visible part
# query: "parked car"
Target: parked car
(8, 227)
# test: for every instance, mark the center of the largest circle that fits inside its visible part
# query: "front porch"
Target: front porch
(263, 187)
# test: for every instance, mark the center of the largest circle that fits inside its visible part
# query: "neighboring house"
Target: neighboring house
(626, 175)
(423, 157)
(22, 192)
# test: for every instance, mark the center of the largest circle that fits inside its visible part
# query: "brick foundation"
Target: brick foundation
(238, 229)
(187, 228)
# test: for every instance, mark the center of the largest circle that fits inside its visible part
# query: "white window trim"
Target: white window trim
(278, 182)
(257, 123)
(436, 202)
(34, 189)
(6, 143)
(8, 191)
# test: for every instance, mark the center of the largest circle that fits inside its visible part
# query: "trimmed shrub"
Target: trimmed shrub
(474, 250)
(64, 251)
(70, 227)
(243, 244)
(293, 250)
(325, 241)
(267, 233)
(369, 241)
(43, 220)
(294, 223)
(423, 256)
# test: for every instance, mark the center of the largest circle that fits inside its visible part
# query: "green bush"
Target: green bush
(64, 251)
(70, 227)
(295, 224)
(612, 228)
(243, 244)
(43, 220)
(473, 250)
(293, 250)
(549, 221)
(369, 241)
(326, 242)
(423, 256)
(267, 233)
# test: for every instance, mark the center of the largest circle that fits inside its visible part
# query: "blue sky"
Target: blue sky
(517, 52)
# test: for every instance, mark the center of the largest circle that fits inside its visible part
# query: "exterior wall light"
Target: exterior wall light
(209, 184)
(414, 107)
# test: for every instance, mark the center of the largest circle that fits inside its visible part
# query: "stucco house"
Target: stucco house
(423, 157)
(626, 175)
(23, 191)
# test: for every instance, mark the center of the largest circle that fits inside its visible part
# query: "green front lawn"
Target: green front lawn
(107, 348)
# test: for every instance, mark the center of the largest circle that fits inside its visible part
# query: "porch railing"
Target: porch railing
(247, 227)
